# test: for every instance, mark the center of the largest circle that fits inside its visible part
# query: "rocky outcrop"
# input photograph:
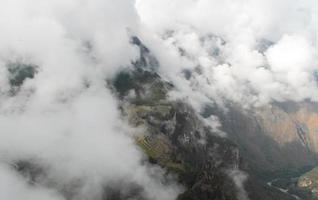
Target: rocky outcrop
(309, 183)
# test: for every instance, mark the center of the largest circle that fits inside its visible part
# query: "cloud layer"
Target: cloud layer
(65, 119)
(62, 118)
(250, 52)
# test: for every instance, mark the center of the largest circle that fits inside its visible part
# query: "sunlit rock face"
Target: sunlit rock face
(276, 136)
(293, 126)
(288, 122)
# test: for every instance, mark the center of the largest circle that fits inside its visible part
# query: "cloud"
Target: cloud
(62, 118)
(14, 187)
(239, 178)
(248, 52)
(83, 141)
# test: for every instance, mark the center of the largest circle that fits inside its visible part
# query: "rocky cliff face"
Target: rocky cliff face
(292, 122)
(273, 137)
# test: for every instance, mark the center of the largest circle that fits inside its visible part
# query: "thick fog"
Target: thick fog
(65, 120)
(246, 51)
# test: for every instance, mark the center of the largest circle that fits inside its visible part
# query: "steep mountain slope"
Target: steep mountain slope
(173, 136)
(176, 139)
(275, 137)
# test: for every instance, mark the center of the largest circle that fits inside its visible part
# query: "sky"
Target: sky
(64, 119)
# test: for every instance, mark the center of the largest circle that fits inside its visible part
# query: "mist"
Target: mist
(63, 118)
(66, 120)
(248, 52)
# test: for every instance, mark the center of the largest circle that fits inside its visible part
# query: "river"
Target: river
(270, 183)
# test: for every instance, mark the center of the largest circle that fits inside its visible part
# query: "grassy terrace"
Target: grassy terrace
(159, 151)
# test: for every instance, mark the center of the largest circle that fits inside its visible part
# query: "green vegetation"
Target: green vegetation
(20, 72)
(123, 83)
(152, 152)
(158, 91)
(283, 174)
(309, 182)
(158, 151)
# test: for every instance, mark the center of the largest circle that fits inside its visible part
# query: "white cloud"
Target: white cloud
(76, 132)
(72, 131)
(14, 187)
(241, 71)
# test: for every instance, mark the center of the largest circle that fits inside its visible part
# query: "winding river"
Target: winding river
(270, 183)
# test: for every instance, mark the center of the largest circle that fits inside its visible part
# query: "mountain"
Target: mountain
(176, 138)
(209, 165)
(274, 137)
(262, 145)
